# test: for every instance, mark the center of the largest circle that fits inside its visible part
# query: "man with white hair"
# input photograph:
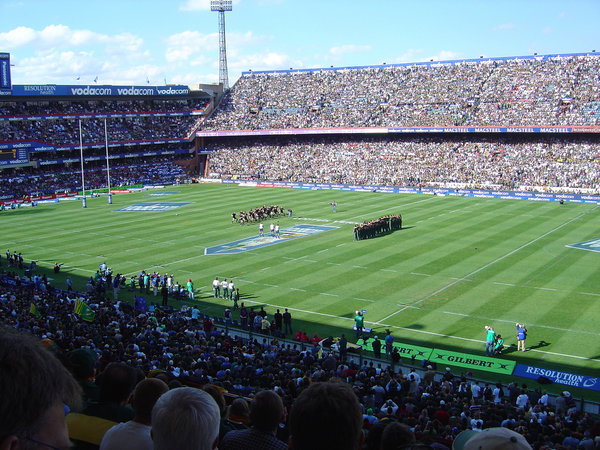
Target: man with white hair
(185, 418)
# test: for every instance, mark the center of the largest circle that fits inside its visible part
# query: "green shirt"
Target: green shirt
(359, 321)
(490, 335)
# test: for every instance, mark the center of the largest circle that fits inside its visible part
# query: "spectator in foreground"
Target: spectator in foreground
(490, 439)
(266, 413)
(135, 434)
(185, 418)
(117, 382)
(326, 416)
(35, 391)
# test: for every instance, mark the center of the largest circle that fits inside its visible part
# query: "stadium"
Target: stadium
(116, 198)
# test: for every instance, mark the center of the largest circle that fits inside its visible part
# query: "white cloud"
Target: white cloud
(445, 55)
(349, 48)
(182, 46)
(61, 36)
(411, 55)
(504, 27)
(18, 37)
(264, 61)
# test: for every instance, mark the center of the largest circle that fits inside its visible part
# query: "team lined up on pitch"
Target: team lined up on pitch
(377, 227)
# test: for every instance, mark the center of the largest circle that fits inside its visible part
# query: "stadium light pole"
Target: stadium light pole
(107, 164)
(83, 205)
(221, 6)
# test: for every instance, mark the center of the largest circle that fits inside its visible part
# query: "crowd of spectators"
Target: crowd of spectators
(53, 107)
(466, 162)
(182, 350)
(560, 90)
(137, 120)
(65, 132)
(23, 182)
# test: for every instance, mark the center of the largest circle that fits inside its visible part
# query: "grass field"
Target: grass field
(459, 263)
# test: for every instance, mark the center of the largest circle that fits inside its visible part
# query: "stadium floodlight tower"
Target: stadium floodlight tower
(221, 6)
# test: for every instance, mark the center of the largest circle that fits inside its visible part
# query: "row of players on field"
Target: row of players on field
(273, 229)
(258, 214)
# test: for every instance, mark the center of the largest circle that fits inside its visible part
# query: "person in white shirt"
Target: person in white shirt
(272, 229)
(170, 283)
(543, 399)
(416, 376)
(231, 289)
(135, 434)
(498, 393)
(522, 400)
(475, 390)
(389, 404)
(224, 286)
(261, 230)
(216, 287)
(277, 231)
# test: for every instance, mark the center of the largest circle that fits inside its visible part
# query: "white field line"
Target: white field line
(476, 271)
(431, 333)
(490, 319)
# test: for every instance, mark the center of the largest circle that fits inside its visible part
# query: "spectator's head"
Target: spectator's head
(266, 411)
(34, 390)
(145, 395)
(116, 382)
(185, 418)
(490, 439)
(396, 435)
(82, 363)
(326, 416)
(239, 410)
(217, 395)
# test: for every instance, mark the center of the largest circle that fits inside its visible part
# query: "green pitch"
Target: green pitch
(458, 264)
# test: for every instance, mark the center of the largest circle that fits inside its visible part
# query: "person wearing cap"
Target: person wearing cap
(265, 325)
(429, 376)
(490, 334)
(497, 438)
(370, 417)
(442, 414)
(448, 375)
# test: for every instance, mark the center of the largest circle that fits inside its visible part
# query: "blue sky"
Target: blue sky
(132, 42)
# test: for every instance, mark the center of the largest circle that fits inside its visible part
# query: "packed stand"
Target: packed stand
(468, 162)
(47, 180)
(141, 120)
(554, 91)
